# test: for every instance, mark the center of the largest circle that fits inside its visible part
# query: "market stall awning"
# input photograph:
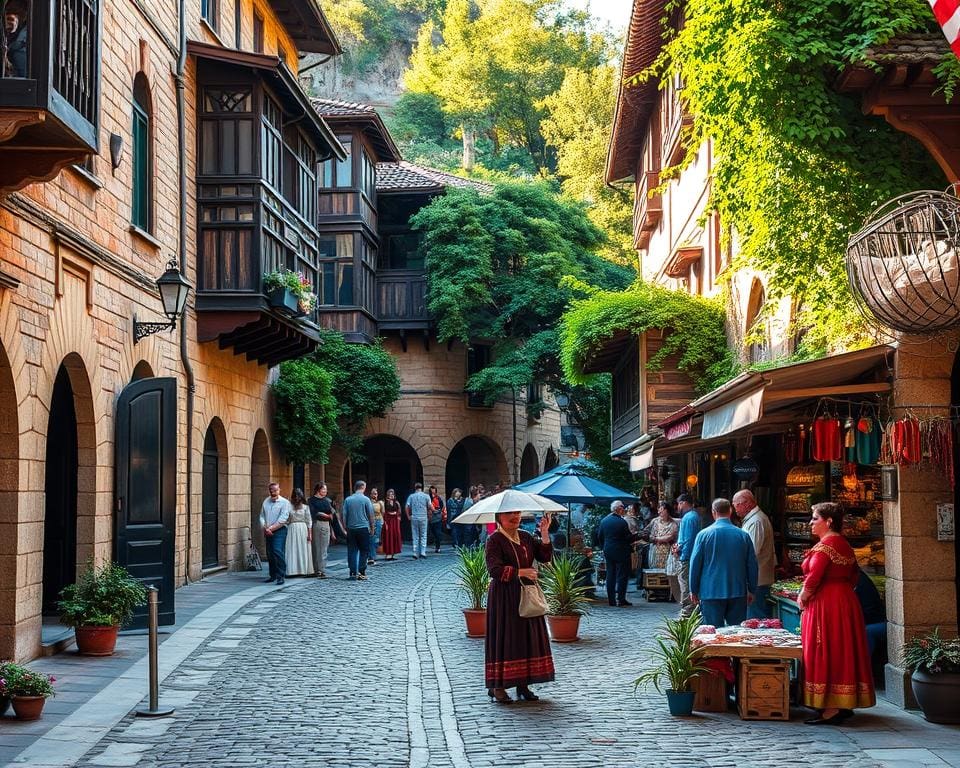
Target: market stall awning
(642, 459)
(730, 417)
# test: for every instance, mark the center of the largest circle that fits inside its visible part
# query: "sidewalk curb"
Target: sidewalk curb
(66, 743)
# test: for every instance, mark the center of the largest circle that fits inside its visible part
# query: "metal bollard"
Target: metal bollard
(154, 710)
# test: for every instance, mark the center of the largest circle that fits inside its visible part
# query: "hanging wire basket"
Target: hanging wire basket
(903, 264)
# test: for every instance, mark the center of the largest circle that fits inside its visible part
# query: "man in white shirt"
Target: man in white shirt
(417, 505)
(757, 525)
(274, 514)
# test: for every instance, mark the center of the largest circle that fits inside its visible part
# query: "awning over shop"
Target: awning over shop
(642, 459)
(730, 417)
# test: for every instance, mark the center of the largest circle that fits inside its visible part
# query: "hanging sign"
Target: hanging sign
(745, 468)
(945, 522)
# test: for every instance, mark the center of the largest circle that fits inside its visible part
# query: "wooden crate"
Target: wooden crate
(711, 692)
(656, 583)
(763, 690)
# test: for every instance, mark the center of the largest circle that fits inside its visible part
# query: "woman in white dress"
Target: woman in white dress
(299, 537)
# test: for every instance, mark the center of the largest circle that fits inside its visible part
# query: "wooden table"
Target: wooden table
(763, 710)
(742, 651)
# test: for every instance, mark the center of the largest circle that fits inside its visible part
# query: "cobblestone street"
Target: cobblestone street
(342, 673)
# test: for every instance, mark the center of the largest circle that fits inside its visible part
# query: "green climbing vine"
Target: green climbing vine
(695, 324)
(797, 166)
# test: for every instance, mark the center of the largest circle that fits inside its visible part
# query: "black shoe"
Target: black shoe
(279, 582)
(523, 692)
(270, 580)
(837, 719)
(624, 602)
(499, 695)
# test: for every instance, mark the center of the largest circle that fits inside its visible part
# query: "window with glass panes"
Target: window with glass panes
(336, 269)
(210, 11)
(140, 160)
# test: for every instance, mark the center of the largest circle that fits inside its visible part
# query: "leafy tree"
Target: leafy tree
(578, 125)
(797, 165)
(306, 411)
(502, 268)
(492, 62)
(419, 117)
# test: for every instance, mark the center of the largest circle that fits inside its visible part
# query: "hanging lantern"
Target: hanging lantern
(902, 265)
(692, 481)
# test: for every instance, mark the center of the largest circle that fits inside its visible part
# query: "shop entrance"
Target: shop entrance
(60, 494)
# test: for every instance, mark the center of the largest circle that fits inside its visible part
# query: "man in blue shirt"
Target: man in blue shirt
(723, 569)
(683, 549)
(358, 522)
(418, 503)
(616, 540)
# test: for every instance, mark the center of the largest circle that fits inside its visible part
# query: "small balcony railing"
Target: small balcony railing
(402, 299)
(647, 208)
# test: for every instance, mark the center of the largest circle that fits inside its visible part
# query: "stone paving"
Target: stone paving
(379, 673)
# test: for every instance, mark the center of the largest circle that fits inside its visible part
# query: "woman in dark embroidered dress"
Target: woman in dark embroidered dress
(517, 649)
(836, 663)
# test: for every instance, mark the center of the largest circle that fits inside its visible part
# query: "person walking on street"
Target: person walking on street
(358, 522)
(723, 569)
(299, 536)
(455, 505)
(377, 525)
(683, 549)
(470, 534)
(274, 514)
(417, 505)
(436, 515)
(758, 527)
(392, 541)
(616, 540)
(322, 512)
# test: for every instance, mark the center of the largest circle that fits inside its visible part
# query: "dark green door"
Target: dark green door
(210, 495)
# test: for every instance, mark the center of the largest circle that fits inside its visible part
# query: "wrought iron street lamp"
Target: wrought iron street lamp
(174, 290)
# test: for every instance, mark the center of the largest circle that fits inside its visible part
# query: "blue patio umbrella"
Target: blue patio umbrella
(570, 484)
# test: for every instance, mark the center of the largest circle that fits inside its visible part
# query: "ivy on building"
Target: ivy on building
(328, 397)
(695, 325)
(797, 165)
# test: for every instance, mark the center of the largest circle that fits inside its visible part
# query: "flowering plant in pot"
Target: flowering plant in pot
(473, 580)
(935, 666)
(566, 597)
(290, 291)
(676, 663)
(27, 689)
(97, 604)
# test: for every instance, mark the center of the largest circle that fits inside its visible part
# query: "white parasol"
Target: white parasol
(485, 510)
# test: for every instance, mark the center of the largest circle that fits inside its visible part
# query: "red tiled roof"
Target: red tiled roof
(352, 114)
(404, 176)
(635, 104)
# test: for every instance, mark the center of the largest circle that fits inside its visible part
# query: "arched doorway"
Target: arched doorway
(259, 480)
(9, 483)
(529, 463)
(389, 462)
(142, 370)
(476, 460)
(551, 459)
(758, 325)
(69, 480)
(212, 485)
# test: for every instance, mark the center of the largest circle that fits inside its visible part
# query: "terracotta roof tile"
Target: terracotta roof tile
(918, 48)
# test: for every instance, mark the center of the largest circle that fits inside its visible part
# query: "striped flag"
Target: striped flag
(948, 15)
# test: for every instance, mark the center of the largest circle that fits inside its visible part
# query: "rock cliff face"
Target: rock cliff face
(379, 84)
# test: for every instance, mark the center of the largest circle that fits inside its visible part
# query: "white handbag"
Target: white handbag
(533, 602)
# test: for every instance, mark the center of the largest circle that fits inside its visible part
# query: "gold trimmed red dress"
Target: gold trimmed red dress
(836, 662)
(517, 649)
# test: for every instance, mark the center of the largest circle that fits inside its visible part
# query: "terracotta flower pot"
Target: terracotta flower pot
(476, 622)
(937, 695)
(563, 629)
(96, 641)
(28, 707)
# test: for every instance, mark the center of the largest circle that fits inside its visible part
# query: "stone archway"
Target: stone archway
(389, 462)
(142, 370)
(529, 463)
(213, 488)
(476, 460)
(9, 484)
(259, 480)
(551, 459)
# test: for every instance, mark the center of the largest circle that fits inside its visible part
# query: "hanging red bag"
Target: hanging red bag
(827, 441)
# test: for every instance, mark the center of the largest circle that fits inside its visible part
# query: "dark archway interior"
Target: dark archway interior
(60, 494)
(389, 462)
(142, 370)
(210, 542)
(551, 460)
(475, 461)
(529, 464)
(259, 479)
(955, 400)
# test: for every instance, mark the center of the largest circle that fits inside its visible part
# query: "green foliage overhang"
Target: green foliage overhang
(695, 328)
(798, 166)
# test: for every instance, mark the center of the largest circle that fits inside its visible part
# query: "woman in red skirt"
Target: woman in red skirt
(517, 648)
(390, 534)
(836, 663)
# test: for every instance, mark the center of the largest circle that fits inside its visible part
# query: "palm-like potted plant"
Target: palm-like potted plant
(100, 601)
(27, 689)
(566, 596)
(676, 663)
(935, 679)
(474, 580)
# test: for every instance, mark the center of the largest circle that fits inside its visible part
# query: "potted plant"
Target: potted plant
(566, 598)
(473, 580)
(935, 666)
(97, 604)
(27, 689)
(289, 291)
(676, 663)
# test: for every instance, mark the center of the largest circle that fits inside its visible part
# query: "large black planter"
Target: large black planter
(938, 696)
(680, 702)
(284, 300)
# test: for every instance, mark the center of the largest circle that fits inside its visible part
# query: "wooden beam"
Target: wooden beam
(841, 389)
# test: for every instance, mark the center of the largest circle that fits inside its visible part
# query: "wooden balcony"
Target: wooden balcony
(49, 91)
(401, 300)
(647, 208)
(245, 231)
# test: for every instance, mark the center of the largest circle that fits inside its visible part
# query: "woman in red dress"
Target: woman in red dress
(836, 663)
(517, 649)
(390, 535)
